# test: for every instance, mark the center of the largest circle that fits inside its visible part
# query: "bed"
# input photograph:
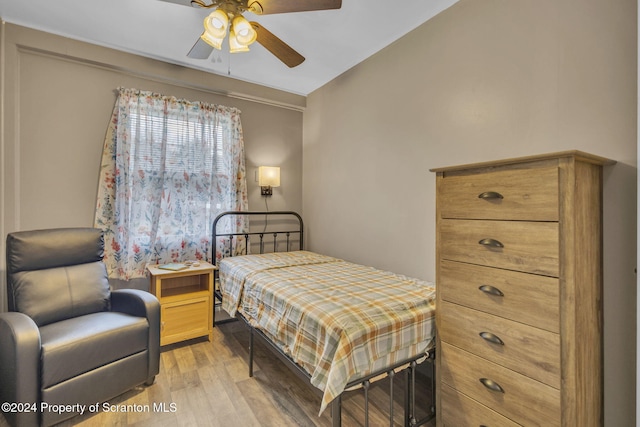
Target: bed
(340, 324)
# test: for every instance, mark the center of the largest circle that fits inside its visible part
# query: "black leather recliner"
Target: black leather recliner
(67, 338)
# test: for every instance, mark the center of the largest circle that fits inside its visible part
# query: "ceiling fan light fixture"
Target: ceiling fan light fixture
(216, 24)
(244, 32)
(235, 46)
(227, 20)
(215, 42)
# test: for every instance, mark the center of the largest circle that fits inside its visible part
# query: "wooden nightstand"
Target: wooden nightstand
(186, 302)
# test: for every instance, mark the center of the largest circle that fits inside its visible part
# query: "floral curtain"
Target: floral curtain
(169, 166)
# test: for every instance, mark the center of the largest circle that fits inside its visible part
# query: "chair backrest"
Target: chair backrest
(56, 274)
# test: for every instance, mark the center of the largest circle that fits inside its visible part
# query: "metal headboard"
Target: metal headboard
(285, 234)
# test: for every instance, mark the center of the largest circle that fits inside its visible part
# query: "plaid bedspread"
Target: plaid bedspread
(337, 320)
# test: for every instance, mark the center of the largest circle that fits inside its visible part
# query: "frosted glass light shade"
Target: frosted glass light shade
(216, 42)
(234, 45)
(216, 23)
(244, 32)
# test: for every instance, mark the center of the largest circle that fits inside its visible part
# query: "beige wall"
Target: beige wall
(484, 80)
(57, 98)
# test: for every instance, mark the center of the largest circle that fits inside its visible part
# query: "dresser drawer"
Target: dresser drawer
(523, 297)
(523, 400)
(518, 194)
(530, 351)
(530, 247)
(459, 410)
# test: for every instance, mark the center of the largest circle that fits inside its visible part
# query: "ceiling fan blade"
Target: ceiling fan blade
(208, 4)
(200, 50)
(269, 7)
(180, 2)
(277, 47)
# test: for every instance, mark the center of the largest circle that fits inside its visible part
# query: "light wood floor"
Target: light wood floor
(205, 383)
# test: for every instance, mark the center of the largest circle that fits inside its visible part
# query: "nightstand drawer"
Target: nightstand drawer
(521, 399)
(459, 410)
(523, 297)
(519, 194)
(530, 247)
(524, 349)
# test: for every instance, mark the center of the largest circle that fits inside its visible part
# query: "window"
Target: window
(169, 167)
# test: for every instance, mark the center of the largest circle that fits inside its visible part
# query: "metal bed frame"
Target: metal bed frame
(410, 407)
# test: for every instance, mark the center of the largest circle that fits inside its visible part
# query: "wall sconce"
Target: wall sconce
(268, 177)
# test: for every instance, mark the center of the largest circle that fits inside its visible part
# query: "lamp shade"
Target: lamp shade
(216, 24)
(234, 45)
(269, 176)
(215, 28)
(215, 42)
(244, 32)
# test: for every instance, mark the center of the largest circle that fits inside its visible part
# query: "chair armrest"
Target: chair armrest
(135, 302)
(19, 366)
(142, 304)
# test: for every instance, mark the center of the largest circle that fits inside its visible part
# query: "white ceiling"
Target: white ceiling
(332, 41)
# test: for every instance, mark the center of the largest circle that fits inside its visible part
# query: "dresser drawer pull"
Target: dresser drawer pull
(492, 243)
(492, 338)
(488, 195)
(491, 385)
(491, 290)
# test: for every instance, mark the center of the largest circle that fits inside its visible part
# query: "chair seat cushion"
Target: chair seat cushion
(78, 345)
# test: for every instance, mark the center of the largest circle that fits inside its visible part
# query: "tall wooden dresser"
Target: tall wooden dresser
(519, 292)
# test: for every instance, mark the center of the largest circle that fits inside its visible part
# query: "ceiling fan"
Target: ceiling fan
(227, 20)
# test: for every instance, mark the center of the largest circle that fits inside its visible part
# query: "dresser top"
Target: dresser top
(578, 155)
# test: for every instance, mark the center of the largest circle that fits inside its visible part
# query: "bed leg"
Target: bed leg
(366, 385)
(336, 412)
(432, 359)
(410, 396)
(391, 375)
(251, 352)
(407, 397)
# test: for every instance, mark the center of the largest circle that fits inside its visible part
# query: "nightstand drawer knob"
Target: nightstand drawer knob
(492, 243)
(492, 338)
(489, 195)
(491, 385)
(491, 290)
